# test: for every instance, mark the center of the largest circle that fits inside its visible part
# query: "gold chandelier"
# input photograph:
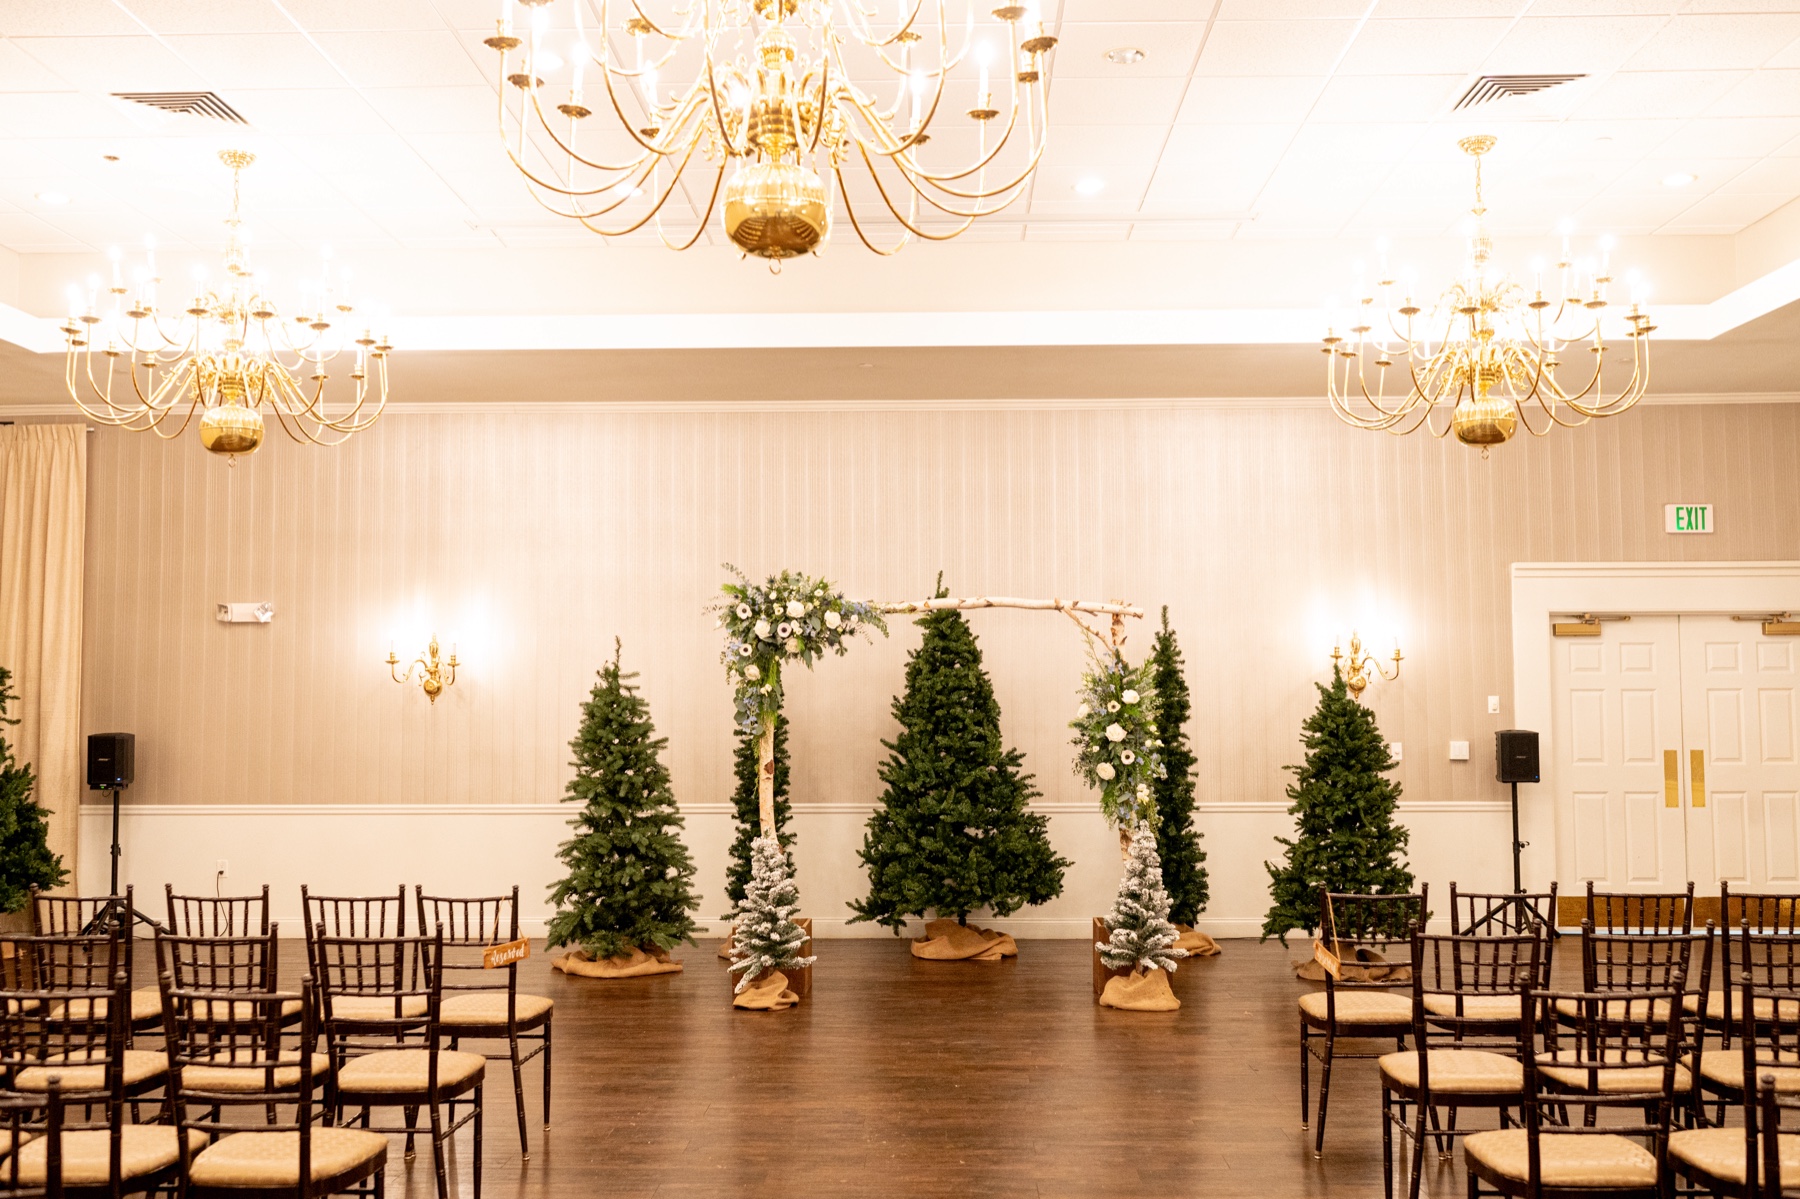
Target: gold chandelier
(777, 106)
(1498, 350)
(228, 356)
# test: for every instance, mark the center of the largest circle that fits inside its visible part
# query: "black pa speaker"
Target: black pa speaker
(111, 757)
(1516, 756)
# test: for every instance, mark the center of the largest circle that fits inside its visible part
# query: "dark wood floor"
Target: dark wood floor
(910, 1078)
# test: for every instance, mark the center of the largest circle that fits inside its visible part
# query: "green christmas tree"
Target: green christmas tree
(1140, 936)
(26, 863)
(953, 833)
(1347, 839)
(629, 873)
(1177, 841)
(744, 800)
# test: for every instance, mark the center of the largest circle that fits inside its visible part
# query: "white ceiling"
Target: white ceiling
(1248, 119)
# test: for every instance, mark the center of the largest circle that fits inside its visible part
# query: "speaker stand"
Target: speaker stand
(1517, 845)
(114, 913)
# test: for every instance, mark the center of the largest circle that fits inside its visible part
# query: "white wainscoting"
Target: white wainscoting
(467, 849)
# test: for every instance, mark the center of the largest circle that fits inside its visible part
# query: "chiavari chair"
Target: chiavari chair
(27, 1120)
(94, 915)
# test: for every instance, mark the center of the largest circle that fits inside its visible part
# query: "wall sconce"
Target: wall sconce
(434, 675)
(1360, 668)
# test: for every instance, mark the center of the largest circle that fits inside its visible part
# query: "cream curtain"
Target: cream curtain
(43, 523)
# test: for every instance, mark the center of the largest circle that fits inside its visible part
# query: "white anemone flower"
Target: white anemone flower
(744, 651)
(1112, 705)
(1127, 757)
(743, 611)
(784, 630)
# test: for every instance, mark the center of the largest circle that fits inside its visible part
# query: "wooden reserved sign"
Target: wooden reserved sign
(506, 953)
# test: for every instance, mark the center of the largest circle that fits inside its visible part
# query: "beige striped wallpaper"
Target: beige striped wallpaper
(531, 540)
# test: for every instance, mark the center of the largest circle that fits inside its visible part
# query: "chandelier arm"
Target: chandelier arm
(712, 200)
(674, 179)
(850, 211)
(543, 123)
(967, 218)
(893, 148)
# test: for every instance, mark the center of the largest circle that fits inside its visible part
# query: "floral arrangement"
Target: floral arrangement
(787, 618)
(1117, 750)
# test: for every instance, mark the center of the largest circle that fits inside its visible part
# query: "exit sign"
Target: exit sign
(1687, 518)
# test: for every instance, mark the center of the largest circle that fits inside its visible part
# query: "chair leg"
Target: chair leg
(519, 1096)
(478, 1111)
(1418, 1155)
(547, 1023)
(437, 1149)
(1387, 1144)
(411, 1114)
(1305, 1073)
(1324, 1094)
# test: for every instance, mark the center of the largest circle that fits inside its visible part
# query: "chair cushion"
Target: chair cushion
(1725, 1068)
(395, 1071)
(374, 1007)
(1566, 1159)
(489, 1007)
(1497, 1009)
(1618, 1010)
(1629, 1079)
(1360, 1007)
(226, 1080)
(146, 1005)
(139, 1066)
(272, 1159)
(1787, 1011)
(87, 1155)
(1719, 1152)
(1456, 1071)
(241, 1010)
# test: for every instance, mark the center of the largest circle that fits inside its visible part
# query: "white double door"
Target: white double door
(1676, 746)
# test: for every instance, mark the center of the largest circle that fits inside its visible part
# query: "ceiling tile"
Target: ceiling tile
(1568, 45)
(1463, 8)
(1168, 48)
(319, 16)
(1723, 137)
(1789, 58)
(1137, 10)
(1377, 98)
(210, 16)
(1290, 10)
(1717, 42)
(1600, 8)
(388, 59)
(61, 114)
(1261, 99)
(256, 60)
(1274, 47)
(1361, 143)
(1155, 230)
(1735, 211)
(1422, 47)
(1638, 95)
(112, 64)
(307, 110)
(73, 18)
(19, 72)
(1767, 93)
(1209, 151)
(1077, 231)
(1769, 175)
(1075, 100)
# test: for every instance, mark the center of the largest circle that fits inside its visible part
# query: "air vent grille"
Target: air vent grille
(1498, 87)
(192, 104)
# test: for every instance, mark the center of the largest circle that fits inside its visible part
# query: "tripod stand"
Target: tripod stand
(115, 912)
(1516, 911)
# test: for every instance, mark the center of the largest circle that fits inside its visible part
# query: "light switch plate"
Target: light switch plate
(1398, 750)
(1493, 705)
(1459, 751)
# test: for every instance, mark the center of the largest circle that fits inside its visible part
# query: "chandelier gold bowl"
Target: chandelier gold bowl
(779, 112)
(1490, 351)
(228, 357)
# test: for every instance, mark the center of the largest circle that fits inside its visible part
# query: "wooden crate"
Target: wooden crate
(1101, 973)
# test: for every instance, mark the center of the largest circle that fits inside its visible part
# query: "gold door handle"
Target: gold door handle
(1697, 776)
(1671, 779)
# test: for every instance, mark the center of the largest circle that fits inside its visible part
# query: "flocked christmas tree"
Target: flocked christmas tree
(953, 832)
(765, 936)
(744, 799)
(26, 863)
(629, 876)
(1177, 841)
(1346, 838)
(1141, 936)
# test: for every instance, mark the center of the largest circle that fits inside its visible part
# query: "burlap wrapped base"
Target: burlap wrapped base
(948, 941)
(1360, 965)
(769, 993)
(1140, 991)
(1198, 945)
(635, 964)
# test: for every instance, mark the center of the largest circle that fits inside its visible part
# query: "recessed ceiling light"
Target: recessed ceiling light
(1125, 56)
(1093, 185)
(109, 158)
(1679, 179)
(52, 197)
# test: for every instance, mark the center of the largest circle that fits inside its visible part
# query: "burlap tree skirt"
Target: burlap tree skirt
(636, 964)
(1198, 945)
(769, 993)
(1359, 965)
(1140, 991)
(948, 941)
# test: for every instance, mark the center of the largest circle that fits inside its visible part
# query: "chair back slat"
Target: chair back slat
(356, 915)
(1456, 978)
(1371, 930)
(471, 925)
(1649, 913)
(217, 915)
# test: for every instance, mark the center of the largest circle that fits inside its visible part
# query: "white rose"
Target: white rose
(743, 611)
(833, 620)
(1115, 733)
(793, 645)
(784, 630)
(752, 673)
(1130, 697)
(762, 629)
(1112, 705)
(1105, 771)
(1128, 757)
(796, 609)
(1082, 712)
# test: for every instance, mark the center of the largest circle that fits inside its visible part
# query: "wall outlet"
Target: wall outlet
(224, 868)
(1493, 705)
(1398, 750)
(1459, 751)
